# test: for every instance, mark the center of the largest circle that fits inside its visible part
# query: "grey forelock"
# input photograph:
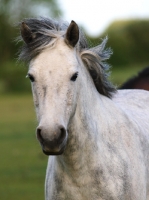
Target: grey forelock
(45, 30)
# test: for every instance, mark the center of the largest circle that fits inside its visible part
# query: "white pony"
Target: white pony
(99, 136)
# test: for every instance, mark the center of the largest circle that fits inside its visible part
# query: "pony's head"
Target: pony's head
(54, 51)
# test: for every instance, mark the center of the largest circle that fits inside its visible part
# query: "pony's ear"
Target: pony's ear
(26, 33)
(72, 34)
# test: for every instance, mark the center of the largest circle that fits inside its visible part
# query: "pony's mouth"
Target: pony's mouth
(49, 152)
(49, 149)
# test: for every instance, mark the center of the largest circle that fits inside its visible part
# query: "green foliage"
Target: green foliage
(11, 12)
(12, 78)
(129, 41)
(15, 10)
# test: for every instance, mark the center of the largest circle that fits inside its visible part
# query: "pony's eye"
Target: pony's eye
(74, 76)
(31, 77)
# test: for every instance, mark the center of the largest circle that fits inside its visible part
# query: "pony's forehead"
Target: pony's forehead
(55, 55)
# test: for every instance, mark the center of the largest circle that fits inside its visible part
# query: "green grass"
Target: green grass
(23, 165)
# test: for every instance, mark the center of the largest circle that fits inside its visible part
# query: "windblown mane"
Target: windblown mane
(46, 31)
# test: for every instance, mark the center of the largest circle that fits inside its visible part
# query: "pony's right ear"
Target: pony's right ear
(72, 34)
(26, 33)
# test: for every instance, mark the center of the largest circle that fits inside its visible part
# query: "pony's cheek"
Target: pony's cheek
(72, 106)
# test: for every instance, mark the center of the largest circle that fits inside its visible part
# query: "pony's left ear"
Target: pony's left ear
(72, 34)
(26, 33)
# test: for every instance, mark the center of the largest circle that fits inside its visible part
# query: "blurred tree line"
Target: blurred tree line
(128, 39)
(11, 12)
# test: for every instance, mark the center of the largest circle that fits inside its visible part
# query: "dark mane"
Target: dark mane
(133, 82)
(45, 30)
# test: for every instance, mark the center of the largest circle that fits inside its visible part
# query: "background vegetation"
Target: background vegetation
(23, 165)
(129, 41)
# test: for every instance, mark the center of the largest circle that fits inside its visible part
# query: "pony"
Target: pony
(140, 81)
(96, 137)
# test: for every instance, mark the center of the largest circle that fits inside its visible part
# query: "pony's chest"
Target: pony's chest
(86, 186)
(75, 188)
(71, 186)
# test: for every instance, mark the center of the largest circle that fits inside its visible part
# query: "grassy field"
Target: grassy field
(23, 165)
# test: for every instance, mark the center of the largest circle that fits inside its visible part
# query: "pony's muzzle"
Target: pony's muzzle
(52, 142)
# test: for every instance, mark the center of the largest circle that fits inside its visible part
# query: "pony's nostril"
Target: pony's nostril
(39, 136)
(62, 134)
